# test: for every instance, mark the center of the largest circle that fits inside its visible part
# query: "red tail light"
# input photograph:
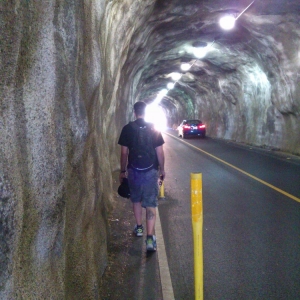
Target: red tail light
(186, 126)
(202, 126)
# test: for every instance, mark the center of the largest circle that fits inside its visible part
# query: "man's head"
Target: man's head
(139, 109)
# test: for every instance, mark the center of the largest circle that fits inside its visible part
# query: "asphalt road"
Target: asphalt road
(251, 231)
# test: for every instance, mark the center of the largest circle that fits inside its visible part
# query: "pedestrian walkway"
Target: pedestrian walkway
(132, 273)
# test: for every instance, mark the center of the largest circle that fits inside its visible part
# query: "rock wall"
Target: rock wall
(245, 89)
(60, 70)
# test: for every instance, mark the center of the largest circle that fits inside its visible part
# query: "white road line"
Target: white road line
(166, 283)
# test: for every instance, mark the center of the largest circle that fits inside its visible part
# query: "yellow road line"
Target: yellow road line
(240, 170)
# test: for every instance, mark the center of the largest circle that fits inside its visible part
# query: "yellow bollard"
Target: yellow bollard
(162, 190)
(197, 223)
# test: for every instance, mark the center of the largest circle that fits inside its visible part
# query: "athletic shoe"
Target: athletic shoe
(151, 243)
(138, 230)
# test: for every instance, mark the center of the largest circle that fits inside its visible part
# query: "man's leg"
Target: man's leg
(138, 210)
(150, 220)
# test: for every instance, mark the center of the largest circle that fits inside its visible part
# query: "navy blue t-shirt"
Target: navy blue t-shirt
(127, 136)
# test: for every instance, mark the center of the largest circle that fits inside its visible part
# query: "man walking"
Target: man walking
(142, 159)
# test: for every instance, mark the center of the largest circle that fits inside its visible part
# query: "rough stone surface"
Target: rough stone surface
(60, 64)
(245, 89)
(70, 72)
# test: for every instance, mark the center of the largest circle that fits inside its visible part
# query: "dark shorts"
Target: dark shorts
(143, 187)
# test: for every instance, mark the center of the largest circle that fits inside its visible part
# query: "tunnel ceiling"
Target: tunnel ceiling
(245, 65)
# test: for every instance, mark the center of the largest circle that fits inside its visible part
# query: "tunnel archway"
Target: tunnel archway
(239, 86)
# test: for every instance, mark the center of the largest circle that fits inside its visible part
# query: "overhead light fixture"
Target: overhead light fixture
(185, 66)
(163, 92)
(200, 52)
(175, 76)
(227, 22)
(170, 85)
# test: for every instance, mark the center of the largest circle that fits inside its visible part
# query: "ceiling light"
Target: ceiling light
(175, 76)
(200, 52)
(227, 22)
(185, 66)
(170, 85)
(163, 92)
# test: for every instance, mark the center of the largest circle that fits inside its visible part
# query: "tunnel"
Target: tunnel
(70, 74)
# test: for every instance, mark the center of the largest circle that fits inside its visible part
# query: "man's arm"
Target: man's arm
(123, 162)
(161, 160)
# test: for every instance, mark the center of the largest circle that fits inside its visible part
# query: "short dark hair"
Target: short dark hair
(139, 108)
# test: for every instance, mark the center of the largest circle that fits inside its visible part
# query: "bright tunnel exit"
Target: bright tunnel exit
(155, 114)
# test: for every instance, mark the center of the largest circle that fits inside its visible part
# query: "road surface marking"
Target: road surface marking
(166, 283)
(240, 170)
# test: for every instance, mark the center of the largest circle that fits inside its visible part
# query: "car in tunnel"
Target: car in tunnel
(191, 128)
